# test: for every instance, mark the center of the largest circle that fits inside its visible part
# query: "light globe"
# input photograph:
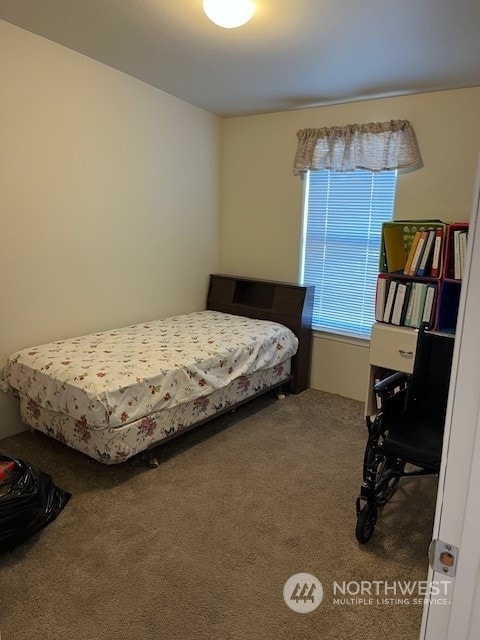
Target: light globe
(229, 13)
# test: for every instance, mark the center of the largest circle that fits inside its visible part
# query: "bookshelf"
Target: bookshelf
(419, 280)
(420, 273)
(455, 250)
(411, 267)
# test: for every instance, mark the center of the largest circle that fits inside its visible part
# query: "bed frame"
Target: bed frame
(285, 303)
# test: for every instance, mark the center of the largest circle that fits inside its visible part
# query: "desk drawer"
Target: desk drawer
(393, 347)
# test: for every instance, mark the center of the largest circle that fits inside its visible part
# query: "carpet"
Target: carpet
(202, 546)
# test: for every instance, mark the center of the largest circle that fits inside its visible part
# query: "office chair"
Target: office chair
(408, 428)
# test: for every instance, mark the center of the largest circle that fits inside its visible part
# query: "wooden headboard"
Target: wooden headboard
(283, 302)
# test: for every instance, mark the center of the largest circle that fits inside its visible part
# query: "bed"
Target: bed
(114, 394)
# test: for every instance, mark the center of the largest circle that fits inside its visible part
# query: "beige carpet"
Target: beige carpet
(201, 547)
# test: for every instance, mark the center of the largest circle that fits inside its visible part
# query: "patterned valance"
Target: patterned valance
(376, 146)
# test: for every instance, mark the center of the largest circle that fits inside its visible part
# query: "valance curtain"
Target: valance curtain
(376, 146)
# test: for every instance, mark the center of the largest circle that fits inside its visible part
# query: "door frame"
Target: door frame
(457, 517)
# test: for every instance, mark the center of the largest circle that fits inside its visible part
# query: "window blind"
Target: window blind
(344, 213)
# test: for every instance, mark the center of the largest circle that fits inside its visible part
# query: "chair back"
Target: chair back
(431, 375)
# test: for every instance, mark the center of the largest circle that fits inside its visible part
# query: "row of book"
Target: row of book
(404, 303)
(459, 249)
(424, 257)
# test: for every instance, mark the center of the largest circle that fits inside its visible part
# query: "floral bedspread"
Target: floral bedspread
(116, 444)
(111, 378)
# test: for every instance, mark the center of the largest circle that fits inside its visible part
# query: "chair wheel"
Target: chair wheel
(388, 482)
(366, 520)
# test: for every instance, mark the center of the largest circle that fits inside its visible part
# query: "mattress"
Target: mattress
(114, 378)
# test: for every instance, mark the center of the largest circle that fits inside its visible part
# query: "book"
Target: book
(457, 272)
(392, 289)
(436, 260)
(428, 307)
(426, 254)
(463, 250)
(411, 253)
(399, 303)
(418, 252)
(381, 296)
(419, 304)
(405, 304)
(409, 310)
(414, 315)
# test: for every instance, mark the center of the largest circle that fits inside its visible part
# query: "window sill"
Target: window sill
(344, 338)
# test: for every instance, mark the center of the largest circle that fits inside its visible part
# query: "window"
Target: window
(343, 216)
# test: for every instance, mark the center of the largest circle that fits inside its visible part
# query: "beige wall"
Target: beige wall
(106, 220)
(262, 200)
(109, 198)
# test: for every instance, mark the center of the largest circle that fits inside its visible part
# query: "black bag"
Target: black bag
(29, 500)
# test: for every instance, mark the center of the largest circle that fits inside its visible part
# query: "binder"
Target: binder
(381, 296)
(414, 313)
(437, 245)
(411, 253)
(401, 301)
(457, 273)
(419, 304)
(408, 315)
(428, 307)
(394, 248)
(392, 289)
(426, 254)
(463, 250)
(406, 302)
(418, 253)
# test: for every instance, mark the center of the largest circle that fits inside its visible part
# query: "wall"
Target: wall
(262, 200)
(109, 198)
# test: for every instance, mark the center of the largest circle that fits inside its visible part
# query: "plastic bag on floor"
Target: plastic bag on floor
(29, 500)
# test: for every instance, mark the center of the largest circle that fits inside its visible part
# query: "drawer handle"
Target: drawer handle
(405, 354)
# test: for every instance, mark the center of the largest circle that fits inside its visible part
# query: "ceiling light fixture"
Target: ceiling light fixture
(229, 13)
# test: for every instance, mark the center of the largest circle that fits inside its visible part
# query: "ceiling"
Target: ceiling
(292, 54)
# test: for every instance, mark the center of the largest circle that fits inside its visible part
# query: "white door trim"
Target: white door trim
(457, 518)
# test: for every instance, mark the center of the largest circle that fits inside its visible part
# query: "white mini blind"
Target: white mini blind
(344, 215)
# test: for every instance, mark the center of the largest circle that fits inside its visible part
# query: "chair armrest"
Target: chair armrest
(389, 384)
